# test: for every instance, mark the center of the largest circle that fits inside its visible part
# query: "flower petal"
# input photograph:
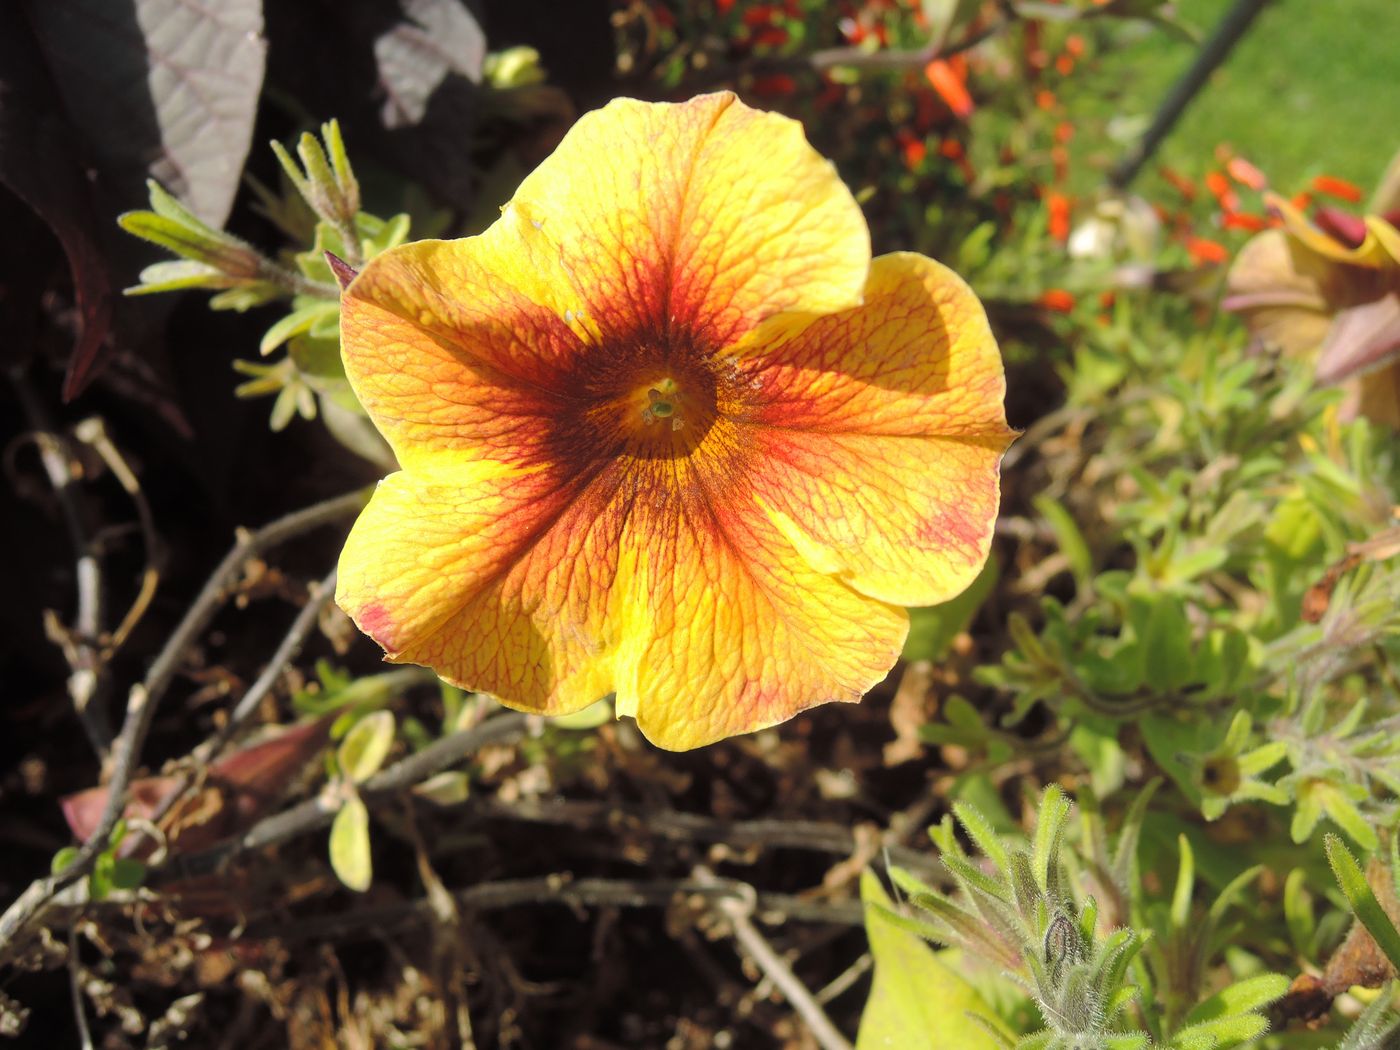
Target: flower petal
(730, 630)
(1362, 340)
(498, 582)
(1281, 290)
(660, 217)
(877, 450)
(1380, 248)
(699, 615)
(449, 356)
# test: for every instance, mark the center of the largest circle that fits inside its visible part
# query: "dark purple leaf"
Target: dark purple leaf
(360, 72)
(439, 38)
(98, 95)
(160, 88)
(40, 162)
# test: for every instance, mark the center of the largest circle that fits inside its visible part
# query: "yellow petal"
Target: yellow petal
(499, 583)
(694, 610)
(729, 630)
(1380, 249)
(449, 357)
(701, 217)
(876, 452)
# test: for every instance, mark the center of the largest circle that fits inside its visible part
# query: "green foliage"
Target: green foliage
(917, 1002)
(364, 745)
(1207, 494)
(1378, 1027)
(1363, 899)
(111, 872)
(322, 209)
(350, 846)
(1024, 909)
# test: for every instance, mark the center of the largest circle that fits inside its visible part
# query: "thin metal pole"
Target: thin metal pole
(1227, 34)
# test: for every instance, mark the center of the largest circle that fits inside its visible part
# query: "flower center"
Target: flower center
(662, 405)
(646, 402)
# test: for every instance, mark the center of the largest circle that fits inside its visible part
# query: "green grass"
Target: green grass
(1313, 88)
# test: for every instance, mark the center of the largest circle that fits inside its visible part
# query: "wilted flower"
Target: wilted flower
(666, 431)
(1331, 288)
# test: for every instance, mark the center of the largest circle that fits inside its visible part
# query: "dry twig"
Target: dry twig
(812, 835)
(317, 813)
(557, 889)
(737, 911)
(144, 696)
(81, 643)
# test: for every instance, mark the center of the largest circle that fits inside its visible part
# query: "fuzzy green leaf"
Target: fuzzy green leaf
(296, 322)
(1362, 899)
(916, 1002)
(1242, 997)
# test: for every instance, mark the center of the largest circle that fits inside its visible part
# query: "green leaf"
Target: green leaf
(1308, 811)
(933, 628)
(1216, 1035)
(1362, 899)
(1263, 758)
(296, 322)
(1298, 912)
(173, 275)
(1185, 885)
(1167, 645)
(1346, 816)
(366, 746)
(100, 884)
(62, 859)
(1168, 740)
(981, 832)
(1054, 811)
(591, 717)
(349, 849)
(1242, 997)
(1072, 543)
(916, 1002)
(127, 874)
(451, 787)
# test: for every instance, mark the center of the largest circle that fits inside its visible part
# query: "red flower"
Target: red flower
(1058, 206)
(1206, 251)
(1246, 174)
(1331, 186)
(949, 79)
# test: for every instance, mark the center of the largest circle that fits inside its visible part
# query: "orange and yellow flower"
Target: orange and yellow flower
(1329, 289)
(667, 432)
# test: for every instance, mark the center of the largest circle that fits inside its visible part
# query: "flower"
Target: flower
(1329, 288)
(667, 432)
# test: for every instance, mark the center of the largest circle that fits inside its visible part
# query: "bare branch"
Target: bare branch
(317, 813)
(144, 696)
(737, 911)
(93, 434)
(295, 638)
(692, 827)
(562, 889)
(81, 644)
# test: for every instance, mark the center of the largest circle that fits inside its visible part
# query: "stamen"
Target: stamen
(662, 405)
